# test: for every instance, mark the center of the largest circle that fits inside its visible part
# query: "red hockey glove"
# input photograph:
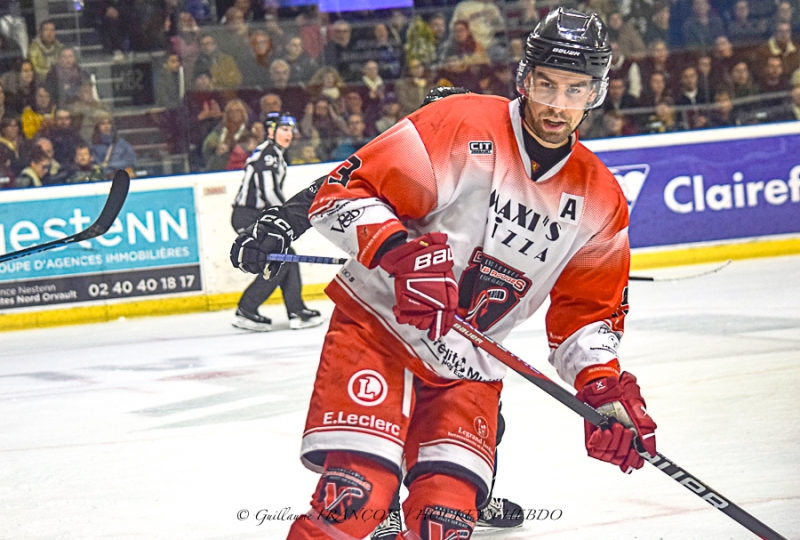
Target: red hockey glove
(424, 284)
(622, 400)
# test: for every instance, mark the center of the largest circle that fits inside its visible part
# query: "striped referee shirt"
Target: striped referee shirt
(264, 173)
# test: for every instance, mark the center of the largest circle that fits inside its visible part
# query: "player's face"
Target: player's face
(556, 104)
(284, 136)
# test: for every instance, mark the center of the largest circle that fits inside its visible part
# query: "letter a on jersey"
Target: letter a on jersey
(570, 209)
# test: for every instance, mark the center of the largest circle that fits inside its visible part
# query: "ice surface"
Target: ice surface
(167, 427)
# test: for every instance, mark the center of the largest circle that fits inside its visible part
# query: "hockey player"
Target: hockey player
(499, 513)
(485, 215)
(264, 174)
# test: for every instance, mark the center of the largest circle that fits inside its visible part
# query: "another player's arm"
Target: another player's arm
(297, 207)
(273, 232)
(585, 323)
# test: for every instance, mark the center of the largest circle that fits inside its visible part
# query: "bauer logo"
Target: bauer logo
(631, 178)
(481, 148)
(568, 52)
(367, 388)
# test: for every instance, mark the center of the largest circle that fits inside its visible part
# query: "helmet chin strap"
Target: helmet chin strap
(585, 114)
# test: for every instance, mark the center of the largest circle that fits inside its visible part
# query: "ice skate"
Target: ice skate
(251, 321)
(500, 514)
(305, 318)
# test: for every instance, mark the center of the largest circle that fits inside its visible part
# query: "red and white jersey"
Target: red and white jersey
(459, 166)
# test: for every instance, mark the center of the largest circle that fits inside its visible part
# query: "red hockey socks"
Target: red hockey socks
(440, 506)
(352, 498)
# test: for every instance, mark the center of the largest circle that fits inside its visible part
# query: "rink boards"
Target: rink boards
(694, 197)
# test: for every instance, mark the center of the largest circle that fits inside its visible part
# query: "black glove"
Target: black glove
(441, 92)
(270, 234)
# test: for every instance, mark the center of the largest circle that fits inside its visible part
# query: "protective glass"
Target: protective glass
(564, 90)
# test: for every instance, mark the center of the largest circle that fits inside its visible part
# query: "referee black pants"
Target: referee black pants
(288, 278)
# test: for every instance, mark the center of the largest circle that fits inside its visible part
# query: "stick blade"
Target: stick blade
(116, 198)
(120, 185)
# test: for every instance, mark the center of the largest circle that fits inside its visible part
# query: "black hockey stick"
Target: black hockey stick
(665, 465)
(116, 198)
(679, 278)
(279, 257)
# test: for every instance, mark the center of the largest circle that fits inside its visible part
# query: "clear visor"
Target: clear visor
(563, 90)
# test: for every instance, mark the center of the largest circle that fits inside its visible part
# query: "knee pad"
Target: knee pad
(440, 506)
(353, 495)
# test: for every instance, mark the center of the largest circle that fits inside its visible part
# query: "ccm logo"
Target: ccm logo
(429, 259)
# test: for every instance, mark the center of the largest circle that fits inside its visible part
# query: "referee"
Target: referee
(264, 174)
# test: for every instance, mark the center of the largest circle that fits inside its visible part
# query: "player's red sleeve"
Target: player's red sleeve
(363, 200)
(589, 302)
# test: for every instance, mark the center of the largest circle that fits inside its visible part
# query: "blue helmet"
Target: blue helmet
(286, 119)
(275, 120)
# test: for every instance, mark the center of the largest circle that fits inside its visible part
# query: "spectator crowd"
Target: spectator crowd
(347, 77)
(53, 128)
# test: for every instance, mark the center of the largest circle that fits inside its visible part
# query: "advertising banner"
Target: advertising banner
(151, 249)
(710, 191)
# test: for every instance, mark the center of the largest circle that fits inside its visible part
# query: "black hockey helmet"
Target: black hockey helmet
(441, 92)
(572, 41)
(271, 121)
